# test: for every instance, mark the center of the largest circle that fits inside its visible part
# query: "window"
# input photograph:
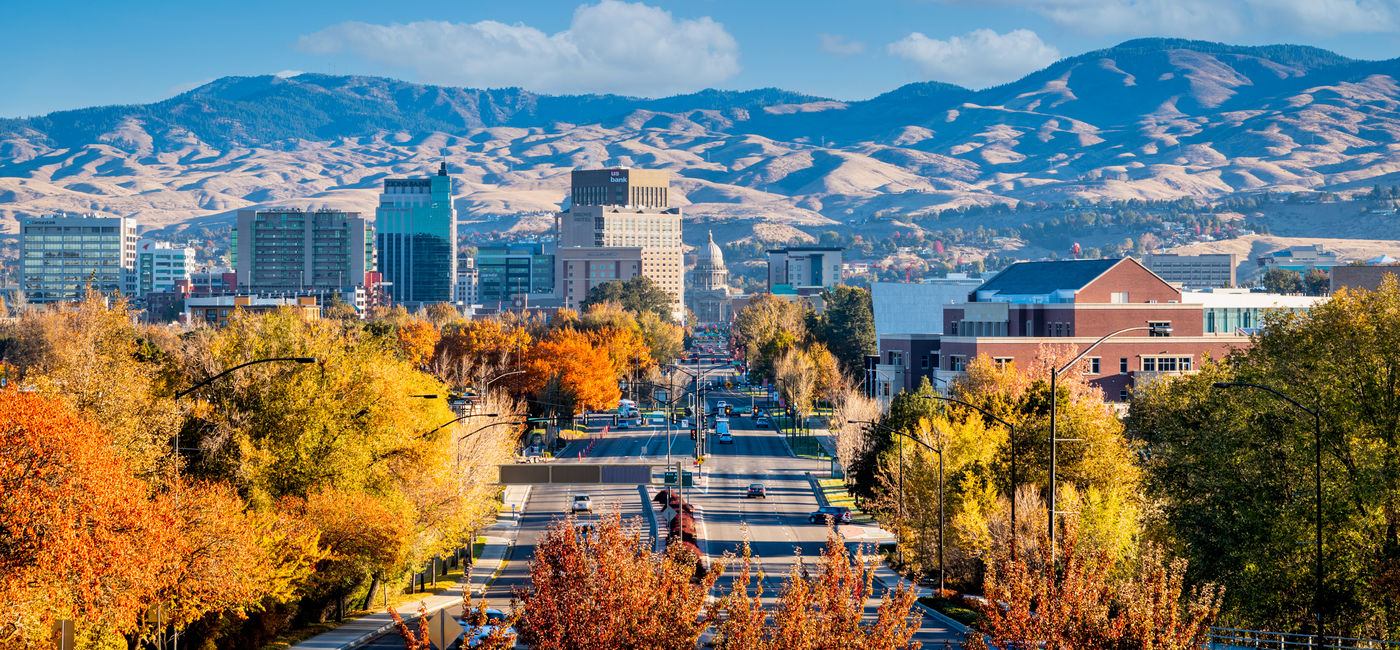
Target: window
(1123, 365)
(1123, 395)
(957, 363)
(1149, 364)
(896, 358)
(1118, 297)
(1184, 364)
(953, 328)
(1002, 362)
(1093, 367)
(1156, 325)
(923, 362)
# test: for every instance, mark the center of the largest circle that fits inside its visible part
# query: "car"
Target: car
(839, 514)
(475, 633)
(582, 503)
(726, 438)
(756, 491)
(762, 423)
(622, 424)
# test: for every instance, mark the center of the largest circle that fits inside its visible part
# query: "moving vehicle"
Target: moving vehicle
(475, 632)
(722, 430)
(762, 422)
(838, 514)
(726, 438)
(756, 491)
(582, 503)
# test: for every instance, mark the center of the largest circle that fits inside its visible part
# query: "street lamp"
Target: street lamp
(1011, 436)
(1317, 485)
(1154, 328)
(882, 427)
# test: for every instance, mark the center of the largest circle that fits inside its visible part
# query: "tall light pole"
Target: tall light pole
(1011, 436)
(1164, 330)
(929, 447)
(1317, 495)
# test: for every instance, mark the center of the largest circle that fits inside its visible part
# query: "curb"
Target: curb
(817, 490)
(651, 517)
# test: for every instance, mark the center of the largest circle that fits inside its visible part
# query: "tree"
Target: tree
(663, 337)
(468, 350)
(797, 379)
(79, 539)
(584, 374)
(364, 537)
(639, 294)
(1317, 282)
(766, 328)
(607, 589)
(1278, 280)
(1079, 606)
(847, 326)
(825, 610)
(417, 339)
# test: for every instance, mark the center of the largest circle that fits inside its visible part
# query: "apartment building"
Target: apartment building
(287, 250)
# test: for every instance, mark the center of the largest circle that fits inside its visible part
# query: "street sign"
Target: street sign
(728, 384)
(443, 630)
(686, 479)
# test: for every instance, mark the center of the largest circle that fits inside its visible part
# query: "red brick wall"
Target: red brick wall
(1141, 284)
(1186, 320)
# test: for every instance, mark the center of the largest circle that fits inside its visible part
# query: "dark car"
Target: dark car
(839, 514)
(756, 491)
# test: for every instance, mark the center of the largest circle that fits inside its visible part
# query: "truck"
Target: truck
(722, 430)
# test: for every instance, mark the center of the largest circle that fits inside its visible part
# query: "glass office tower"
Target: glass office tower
(417, 231)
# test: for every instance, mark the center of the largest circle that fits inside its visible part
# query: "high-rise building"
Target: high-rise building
(61, 255)
(626, 208)
(582, 268)
(160, 265)
(286, 250)
(467, 281)
(417, 229)
(505, 271)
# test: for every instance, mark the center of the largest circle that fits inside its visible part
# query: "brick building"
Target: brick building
(1030, 305)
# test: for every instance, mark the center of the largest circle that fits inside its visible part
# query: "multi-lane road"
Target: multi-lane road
(776, 526)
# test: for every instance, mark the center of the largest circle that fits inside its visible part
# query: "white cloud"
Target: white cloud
(978, 59)
(1210, 19)
(612, 46)
(287, 73)
(1326, 17)
(840, 45)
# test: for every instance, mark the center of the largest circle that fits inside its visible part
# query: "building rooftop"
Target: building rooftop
(1246, 299)
(1042, 278)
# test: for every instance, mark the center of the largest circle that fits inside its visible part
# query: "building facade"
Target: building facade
(1033, 309)
(417, 236)
(1296, 258)
(603, 218)
(518, 269)
(60, 255)
(215, 311)
(583, 267)
(467, 282)
(908, 331)
(1361, 277)
(160, 266)
(710, 298)
(286, 250)
(804, 268)
(1194, 271)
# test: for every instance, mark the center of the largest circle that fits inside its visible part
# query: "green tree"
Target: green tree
(1282, 281)
(1317, 282)
(639, 294)
(847, 326)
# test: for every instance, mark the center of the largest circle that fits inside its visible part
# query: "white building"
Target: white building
(60, 255)
(159, 265)
(466, 291)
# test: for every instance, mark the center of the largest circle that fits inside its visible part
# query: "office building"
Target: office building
(1295, 258)
(626, 208)
(417, 231)
(161, 265)
(803, 269)
(286, 250)
(518, 269)
(1367, 277)
(1194, 271)
(466, 292)
(582, 268)
(61, 255)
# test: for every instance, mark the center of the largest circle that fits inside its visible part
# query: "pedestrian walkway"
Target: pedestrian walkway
(494, 555)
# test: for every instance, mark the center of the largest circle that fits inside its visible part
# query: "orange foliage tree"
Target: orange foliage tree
(583, 372)
(469, 349)
(607, 589)
(79, 537)
(625, 349)
(817, 611)
(364, 537)
(417, 339)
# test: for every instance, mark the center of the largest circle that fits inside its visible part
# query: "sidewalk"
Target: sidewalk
(500, 538)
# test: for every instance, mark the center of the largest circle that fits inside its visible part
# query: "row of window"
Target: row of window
(1092, 365)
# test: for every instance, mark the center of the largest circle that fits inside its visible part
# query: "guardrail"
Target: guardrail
(1226, 638)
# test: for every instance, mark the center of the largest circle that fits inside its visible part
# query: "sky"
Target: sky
(66, 54)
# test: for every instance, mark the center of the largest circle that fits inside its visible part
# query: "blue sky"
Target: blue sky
(65, 54)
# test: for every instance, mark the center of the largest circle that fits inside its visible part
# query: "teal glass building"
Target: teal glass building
(417, 236)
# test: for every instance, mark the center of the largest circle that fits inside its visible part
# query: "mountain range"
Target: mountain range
(1147, 119)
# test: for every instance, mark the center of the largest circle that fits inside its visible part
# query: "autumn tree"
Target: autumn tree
(797, 380)
(766, 328)
(364, 537)
(581, 373)
(639, 294)
(417, 339)
(469, 350)
(607, 589)
(821, 606)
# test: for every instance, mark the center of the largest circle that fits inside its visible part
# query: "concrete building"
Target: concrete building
(710, 298)
(1361, 277)
(286, 250)
(215, 311)
(580, 268)
(908, 331)
(1194, 271)
(1241, 312)
(517, 269)
(1295, 258)
(468, 280)
(160, 266)
(806, 269)
(60, 255)
(417, 237)
(627, 208)
(1032, 307)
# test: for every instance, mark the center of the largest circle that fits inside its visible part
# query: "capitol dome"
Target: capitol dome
(710, 256)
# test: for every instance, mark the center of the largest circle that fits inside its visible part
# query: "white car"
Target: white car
(582, 503)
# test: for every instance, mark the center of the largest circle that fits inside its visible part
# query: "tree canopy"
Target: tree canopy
(639, 294)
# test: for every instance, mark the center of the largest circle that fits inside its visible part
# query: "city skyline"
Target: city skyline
(650, 49)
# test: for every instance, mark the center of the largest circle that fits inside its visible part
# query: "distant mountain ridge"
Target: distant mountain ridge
(1149, 118)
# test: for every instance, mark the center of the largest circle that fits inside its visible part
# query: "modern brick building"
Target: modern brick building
(1028, 308)
(1361, 277)
(215, 311)
(583, 267)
